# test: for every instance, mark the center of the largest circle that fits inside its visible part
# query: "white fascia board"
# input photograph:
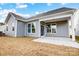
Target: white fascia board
(48, 16)
(56, 17)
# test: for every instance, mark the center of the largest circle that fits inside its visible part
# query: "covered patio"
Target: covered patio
(59, 33)
(55, 27)
(58, 25)
(63, 36)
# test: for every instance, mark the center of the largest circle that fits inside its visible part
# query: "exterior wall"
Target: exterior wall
(37, 29)
(62, 30)
(76, 22)
(77, 29)
(20, 28)
(11, 22)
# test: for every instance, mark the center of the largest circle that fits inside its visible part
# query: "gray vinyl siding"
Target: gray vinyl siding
(9, 24)
(62, 30)
(20, 28)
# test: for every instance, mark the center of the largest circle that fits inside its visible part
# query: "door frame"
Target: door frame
(43, 31)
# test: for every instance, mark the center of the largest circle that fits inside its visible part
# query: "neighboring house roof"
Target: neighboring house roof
(39, 15)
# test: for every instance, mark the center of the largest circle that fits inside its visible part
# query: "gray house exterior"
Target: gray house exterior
(58, 23)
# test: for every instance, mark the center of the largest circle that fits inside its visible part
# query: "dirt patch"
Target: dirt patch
(26, 47)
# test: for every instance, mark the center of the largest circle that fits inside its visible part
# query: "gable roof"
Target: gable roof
(39, 15)
(15, 15)
(53, 12)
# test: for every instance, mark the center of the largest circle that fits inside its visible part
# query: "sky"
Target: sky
(30, 9)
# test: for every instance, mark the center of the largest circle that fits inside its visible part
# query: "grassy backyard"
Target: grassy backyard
(25, 46)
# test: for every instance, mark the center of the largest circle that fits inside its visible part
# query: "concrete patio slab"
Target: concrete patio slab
(58, 41)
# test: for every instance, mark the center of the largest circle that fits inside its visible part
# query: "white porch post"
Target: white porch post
(72, 28)
(39, 30)
(74, 19)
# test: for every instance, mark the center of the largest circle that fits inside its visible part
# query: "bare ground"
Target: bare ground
(24, 46)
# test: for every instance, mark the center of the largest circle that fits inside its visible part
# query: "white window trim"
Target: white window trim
(27, 27)
(56, 28)
(51, 29)
(13, 26)
(31, 29)
(47, 32)
(6, 27)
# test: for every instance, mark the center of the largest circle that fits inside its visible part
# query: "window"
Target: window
(13, 28)
(53, 27)
(29, 28)
(33, 27)
(6, 28)
(48, 28)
